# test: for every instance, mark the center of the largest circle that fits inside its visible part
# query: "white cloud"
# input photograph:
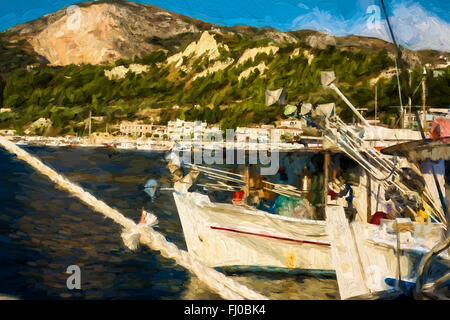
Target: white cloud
(303, 6)
(320, 20)
(419, 29)
(413, 26)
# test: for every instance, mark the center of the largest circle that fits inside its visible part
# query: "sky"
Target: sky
(417, 24)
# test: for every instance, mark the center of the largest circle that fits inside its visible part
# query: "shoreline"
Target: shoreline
(305, 143)
(148, 144)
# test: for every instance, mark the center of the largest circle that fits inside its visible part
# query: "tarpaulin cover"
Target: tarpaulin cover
(440, 129)
(276, 96)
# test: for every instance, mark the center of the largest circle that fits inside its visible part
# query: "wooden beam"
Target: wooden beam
(369, 197)
(424, 109)
(326, 164)
(344, 255)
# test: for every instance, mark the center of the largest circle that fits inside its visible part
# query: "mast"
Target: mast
(90, 124)
(376, 103)
(402, 114)
(424, 98)
(400, 62)
(409, 100)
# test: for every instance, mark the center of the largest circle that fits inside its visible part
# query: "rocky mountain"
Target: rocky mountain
(101, 31)
(123, 60)
(369, 45)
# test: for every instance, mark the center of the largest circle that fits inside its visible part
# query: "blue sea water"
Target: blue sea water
(43, 230)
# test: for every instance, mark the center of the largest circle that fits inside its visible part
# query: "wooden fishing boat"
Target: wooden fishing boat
(367, 257)
(227, 235)
(235, 237)
(242, 238)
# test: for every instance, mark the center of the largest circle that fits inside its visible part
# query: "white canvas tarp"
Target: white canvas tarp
(324, 110)
(276, 96)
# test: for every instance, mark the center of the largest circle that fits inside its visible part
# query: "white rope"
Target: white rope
(351, 144)
(218, 174)
(226, 287)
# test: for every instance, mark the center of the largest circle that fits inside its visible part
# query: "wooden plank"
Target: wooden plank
(326, 164)
(374, 264)
(344, 255)
(369, 197)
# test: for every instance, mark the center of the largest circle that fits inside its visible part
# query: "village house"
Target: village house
(135, 128)
(197, 130)
(289, 128)
(254, 133)
(212, 133)
(179, 129)
(159, 131)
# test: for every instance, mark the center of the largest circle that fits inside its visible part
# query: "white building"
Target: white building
(290, 123)
(179, 129)
(290, 128)
(431, 114)
(213, 132)
(254, 133)
(135, 128)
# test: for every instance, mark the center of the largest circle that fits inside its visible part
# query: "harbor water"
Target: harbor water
(44, 230)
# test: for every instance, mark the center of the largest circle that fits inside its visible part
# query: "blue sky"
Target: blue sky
(418, 24)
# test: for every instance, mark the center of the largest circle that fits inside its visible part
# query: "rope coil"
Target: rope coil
(226, 287)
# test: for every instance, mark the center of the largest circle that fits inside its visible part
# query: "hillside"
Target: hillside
(107, 31)
(136, 62)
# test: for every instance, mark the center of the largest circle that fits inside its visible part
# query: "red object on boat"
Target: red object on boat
(377, 216)
(237, 196)
(440, 129)
(143, 216)
(332, 194)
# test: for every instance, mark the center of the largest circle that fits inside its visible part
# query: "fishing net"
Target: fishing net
(289, 207)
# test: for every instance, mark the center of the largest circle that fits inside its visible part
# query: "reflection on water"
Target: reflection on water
(276, 286)
(43, 230)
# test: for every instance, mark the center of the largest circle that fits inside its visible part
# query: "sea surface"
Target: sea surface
(43, 230)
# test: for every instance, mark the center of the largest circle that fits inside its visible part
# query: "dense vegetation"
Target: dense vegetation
(66, 94)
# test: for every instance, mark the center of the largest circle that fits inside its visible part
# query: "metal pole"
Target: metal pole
(436, 182)
(402, 116)
(424, 109)
(409, 101)
(90, 115)
(333, 86)
(376, 103)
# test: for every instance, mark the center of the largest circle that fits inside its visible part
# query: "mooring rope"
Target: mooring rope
(226, 287)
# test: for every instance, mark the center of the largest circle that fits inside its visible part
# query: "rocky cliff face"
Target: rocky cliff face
(98, 32)
(206, 45)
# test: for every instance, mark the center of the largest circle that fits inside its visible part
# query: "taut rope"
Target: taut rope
(226, 287)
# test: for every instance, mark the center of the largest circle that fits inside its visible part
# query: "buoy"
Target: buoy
(151, 187)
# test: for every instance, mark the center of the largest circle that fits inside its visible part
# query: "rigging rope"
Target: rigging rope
(226, 287)
(390, 173)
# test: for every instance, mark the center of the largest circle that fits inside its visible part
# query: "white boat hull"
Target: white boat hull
(224, 235)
